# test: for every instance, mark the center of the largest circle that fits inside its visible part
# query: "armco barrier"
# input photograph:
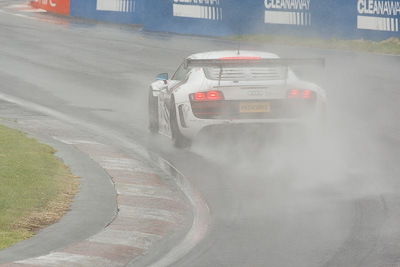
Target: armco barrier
(55, 6)
(348, 19)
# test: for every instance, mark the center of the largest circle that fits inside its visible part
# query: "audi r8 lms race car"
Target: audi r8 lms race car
(220, 90)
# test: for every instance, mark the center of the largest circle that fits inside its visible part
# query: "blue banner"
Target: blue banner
(116, 11)
(345, 19)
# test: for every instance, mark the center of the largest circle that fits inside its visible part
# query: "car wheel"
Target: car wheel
(178, 140)
(153, 112)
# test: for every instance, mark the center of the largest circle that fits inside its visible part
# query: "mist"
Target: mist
(340, 159)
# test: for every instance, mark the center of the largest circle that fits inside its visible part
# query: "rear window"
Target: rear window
(245, 74)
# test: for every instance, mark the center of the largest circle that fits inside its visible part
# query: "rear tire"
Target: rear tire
(178, 139)
(153, 112)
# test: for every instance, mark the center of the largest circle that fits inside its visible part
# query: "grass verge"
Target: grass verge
(35, 187)
(389, 46)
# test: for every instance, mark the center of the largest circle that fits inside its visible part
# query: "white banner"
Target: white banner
(197, 11)
(289, 18)
(116, 5)
(378, 23)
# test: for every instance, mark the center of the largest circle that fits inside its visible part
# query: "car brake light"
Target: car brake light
(240, 58)
(199, 96)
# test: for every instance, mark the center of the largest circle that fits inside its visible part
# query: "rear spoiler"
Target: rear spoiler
(259, 62)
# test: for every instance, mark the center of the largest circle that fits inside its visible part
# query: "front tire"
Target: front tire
(153, 112)
(178, 139)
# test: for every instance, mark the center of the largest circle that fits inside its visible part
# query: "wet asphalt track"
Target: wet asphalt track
(328, 199)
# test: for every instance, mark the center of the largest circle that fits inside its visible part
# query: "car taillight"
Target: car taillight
(214, 95)
(294, 93)
(199, 96)
(304, 94)
(211, 95)
(307, 94)
(207, 105)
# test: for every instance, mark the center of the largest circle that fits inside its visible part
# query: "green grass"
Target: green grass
(389, 46)
(35, 187)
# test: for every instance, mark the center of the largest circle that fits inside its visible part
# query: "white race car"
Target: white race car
(222, 90)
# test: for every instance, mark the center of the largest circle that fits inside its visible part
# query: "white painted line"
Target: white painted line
(127, 238)
(21, 6)
(26, 8)
(36, 10)
(75, 142)
(66, 259)
(33, 18)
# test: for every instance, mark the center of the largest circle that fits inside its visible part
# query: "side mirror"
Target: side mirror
(162, 77)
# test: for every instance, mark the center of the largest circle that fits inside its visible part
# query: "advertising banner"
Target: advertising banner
(201, 17)
(345, 19)
(116, 11)
(55, 6)
(378, 16)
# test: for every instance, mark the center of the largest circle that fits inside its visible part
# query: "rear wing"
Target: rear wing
(253, 62)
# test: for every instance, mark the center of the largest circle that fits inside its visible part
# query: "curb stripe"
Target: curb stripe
(124, 164)
(144, 225)
(128, 238)
(148, 213)
(150, 202)
(164, 210)
(146, 191)
(134, 177)
(113, 252)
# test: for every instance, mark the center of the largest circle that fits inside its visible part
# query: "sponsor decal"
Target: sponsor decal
(57, 6)
(378, 15)
(46, 2)
(199, 9)
(116, 5)
(289, 12)
(255, 93)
